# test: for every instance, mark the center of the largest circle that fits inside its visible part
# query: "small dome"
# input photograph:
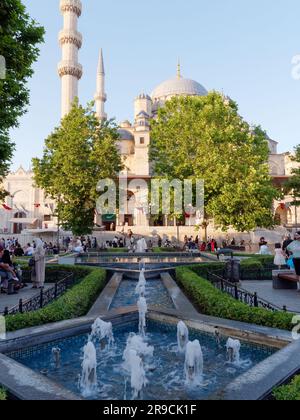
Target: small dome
(143, 96)
(125, 124)
(125, 135)
(178, 87)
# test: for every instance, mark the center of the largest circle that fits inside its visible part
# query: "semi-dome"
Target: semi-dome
(178, 87)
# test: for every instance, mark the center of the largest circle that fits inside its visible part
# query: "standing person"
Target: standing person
(294, 249)
(279, 259)
(38, 274)
(213, 245)
(262, 242)
(264, 249)
(159, 241)
(287, 241)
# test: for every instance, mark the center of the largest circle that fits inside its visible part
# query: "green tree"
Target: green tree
(19, 37)
(79, 153)
(292, 186)
(205, 138)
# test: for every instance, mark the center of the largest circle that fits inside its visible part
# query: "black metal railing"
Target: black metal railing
(264, 273)
(44, 297)
(250, 299)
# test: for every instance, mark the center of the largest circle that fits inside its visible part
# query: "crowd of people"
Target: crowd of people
(11, 275)
(286, 253)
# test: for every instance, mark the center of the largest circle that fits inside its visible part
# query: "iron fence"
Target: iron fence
(250, 299)
(44, 297)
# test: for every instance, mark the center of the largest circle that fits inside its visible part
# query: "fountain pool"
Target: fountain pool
(165, 375)
(155, 293)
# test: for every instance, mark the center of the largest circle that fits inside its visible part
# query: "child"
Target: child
(279, 259)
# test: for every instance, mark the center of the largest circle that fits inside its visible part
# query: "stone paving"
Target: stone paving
(27, 293)
(264, 289)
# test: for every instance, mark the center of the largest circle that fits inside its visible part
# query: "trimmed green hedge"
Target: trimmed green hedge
(213, 302)
(289, 392)
(158, 250)
(3, 395)
(74, 303)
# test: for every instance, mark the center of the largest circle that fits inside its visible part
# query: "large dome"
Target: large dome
(177, 87)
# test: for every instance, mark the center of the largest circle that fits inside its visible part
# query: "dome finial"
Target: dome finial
(178, 69)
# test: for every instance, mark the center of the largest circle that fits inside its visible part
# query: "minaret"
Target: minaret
(178, 69)
(100, 96)
(69, 69)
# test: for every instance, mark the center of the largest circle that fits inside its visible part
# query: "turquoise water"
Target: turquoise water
(156, 294)
(165, 373)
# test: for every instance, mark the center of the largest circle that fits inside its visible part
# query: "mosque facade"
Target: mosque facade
(27, 207)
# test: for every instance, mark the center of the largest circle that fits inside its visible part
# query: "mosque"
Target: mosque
(27, 208)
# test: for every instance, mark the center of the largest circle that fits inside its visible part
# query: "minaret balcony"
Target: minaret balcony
(74, 6)
(69, 68)
(70, 37)
(100, 97)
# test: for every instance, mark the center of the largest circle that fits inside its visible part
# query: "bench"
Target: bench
(285, 280)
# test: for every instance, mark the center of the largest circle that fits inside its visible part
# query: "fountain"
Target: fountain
(88, 380)
(137, 373)
(102, 331)
(140, 287)
(233, 350)
(142, 265)
(143, 309)
(136, 343)
(182, 336)
(56, 355)
(193, 363)
(218, 338)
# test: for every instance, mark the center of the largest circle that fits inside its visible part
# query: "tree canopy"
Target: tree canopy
(19, 39)
(292, 186)
(206, 138)
(78, 154)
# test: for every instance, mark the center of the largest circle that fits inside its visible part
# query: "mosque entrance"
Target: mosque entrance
(18, 227)
(128, 220)
(283, 215)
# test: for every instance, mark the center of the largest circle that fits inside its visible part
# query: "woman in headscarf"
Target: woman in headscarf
(38, 274)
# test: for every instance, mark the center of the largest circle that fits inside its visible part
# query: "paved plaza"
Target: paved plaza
(27, 293)
(264, 289)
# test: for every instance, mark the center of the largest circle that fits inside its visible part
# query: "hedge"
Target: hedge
(289, 392)
(246, 265)
(3, 395)
(213, 302)
(75, 303)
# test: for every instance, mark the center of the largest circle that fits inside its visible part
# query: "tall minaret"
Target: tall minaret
(100, 96)
(69, 69)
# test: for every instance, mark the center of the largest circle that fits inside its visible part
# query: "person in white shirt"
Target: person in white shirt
(264, 249)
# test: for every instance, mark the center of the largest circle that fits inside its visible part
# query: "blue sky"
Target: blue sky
(244, 48)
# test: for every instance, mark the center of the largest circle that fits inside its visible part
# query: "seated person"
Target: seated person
(203, 247)
(29, 251)
(55, 250)
(19, 251)
(7, 272)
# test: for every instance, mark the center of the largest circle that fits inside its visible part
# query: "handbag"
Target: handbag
(31, 262)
